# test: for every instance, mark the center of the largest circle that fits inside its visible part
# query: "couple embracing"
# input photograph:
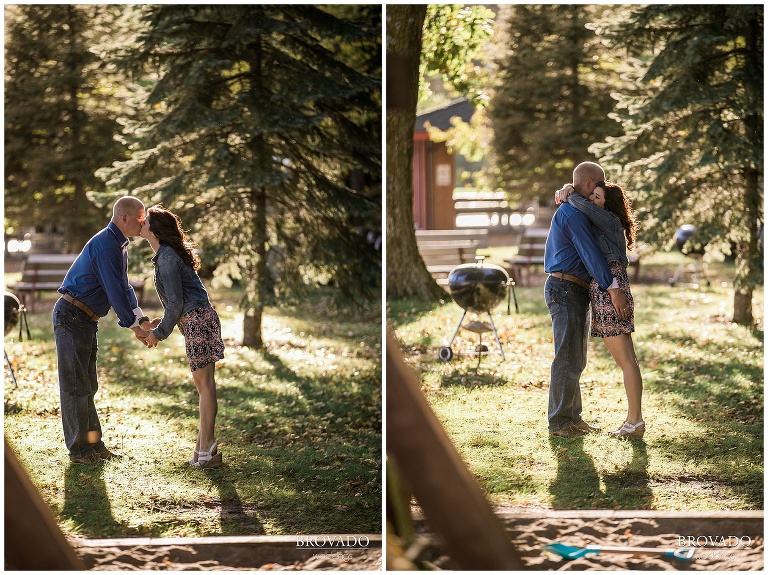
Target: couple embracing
(586, 259)
(98, 281)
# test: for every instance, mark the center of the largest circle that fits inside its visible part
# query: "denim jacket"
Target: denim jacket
(179, 288)
(607, 228)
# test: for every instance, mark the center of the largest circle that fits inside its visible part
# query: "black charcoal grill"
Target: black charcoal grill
(15, 314)
(477, 288)
(685, 242)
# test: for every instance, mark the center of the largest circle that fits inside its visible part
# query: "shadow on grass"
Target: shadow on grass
(235, 519)
(469, 378)
(408, 310)
(631, 485)
(306, 451)
(577, 482)
(717, 389)
(86, 502)
(733, 477)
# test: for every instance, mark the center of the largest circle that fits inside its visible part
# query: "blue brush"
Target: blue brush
(575, 552)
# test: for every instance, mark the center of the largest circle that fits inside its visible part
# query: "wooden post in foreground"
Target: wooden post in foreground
(33, 540)
(453, 503)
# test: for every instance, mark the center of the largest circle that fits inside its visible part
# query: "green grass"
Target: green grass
(703, 402)
(299, 426)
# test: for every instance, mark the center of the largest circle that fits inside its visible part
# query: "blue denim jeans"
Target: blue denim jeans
(76, 348)
(568, 305)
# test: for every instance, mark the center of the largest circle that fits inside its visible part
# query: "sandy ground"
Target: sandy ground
(228, 555)
(530, 540)
(530, 536)
(530, 533)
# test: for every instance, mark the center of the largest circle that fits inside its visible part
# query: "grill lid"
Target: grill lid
(478, 287)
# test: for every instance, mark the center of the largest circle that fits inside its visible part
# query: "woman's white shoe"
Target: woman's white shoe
(205, 459)
(630, 430)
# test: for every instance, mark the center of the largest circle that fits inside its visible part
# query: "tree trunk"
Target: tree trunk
(749, 260)
(406, 273)
(748, 254)
(257, 272)
(742, 307)
(77, 230)
(252, 328)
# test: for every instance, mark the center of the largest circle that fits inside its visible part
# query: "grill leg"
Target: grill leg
(498, 342)
(23, 321)
(13, 375)
(457, 328)
(514, 296)
(678, 272)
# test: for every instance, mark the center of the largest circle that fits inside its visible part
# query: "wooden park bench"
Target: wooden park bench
(478, 235)
(442, 256)
(443, 250)
(45, 272)
(39, 273)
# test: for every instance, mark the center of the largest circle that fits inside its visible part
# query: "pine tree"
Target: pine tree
(60, 117)
(692, 149)
(552, 96)
(253, 125)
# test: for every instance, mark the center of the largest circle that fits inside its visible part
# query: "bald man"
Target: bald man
(572, 257)
(96, 282)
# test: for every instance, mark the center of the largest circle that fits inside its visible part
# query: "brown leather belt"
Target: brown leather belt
(95, 318)
(570, 278)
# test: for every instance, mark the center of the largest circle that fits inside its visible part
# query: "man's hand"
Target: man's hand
(620, 303)
(562, 194)
(141, 334)
(151, 324)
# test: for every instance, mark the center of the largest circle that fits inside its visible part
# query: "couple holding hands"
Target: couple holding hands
(98, 281)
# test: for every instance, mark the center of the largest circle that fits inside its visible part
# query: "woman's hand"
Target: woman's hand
(562, 194)
(620, 303)
(151, 340)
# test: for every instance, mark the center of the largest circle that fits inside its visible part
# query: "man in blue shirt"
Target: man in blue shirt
(572, 258)
(96, 282)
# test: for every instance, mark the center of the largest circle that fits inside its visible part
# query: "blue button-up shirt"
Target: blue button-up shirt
(99, 277)
(571, 248)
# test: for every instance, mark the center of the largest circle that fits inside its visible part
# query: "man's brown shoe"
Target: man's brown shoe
(105, 454)
(88, 459)
(587, 427)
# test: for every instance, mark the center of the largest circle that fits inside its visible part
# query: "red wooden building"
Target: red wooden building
(434, 169)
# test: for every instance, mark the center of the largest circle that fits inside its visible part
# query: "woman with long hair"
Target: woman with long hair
(186, 304)
(615, 227)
